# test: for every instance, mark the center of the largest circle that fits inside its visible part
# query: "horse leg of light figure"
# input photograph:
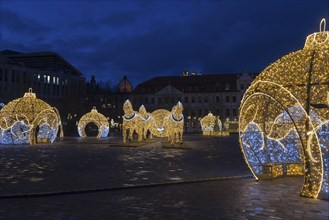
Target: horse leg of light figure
(139, 134)
(131, 132)
(144, 133)
(180, 137)
(150, 135)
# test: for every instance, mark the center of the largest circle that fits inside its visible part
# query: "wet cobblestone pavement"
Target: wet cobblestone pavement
(76, 164)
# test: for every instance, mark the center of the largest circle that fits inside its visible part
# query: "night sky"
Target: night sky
(143, 39)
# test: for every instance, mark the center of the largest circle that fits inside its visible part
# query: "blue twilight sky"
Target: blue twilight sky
(143, 39)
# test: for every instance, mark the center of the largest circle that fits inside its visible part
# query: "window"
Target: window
(227, 86)
(186, 99)
(200, 112)
(159, 100)
(6, 75)
(193, 99)
(146, 100)
(217, 111)
(205, 99)
(13, 75)
(227, 112)
(242, 86)
(48, 79)
(17, 76)
(217, 99)
(234, 112)
(234, 98)
(192, 113)
(199, 99)
(152, 100)
(166, 100)
(227, 99)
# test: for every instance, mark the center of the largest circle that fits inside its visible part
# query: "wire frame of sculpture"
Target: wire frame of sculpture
(28, 120)
(98, 119)
(284, 116)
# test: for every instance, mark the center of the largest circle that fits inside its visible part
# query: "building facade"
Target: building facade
(50, 76)
(200, 94)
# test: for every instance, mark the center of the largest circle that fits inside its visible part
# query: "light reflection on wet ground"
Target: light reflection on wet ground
(81, 164)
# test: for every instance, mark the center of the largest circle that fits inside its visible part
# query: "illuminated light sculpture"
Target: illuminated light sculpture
(208, 124)
(284, 117)
(174, 124)
(131, 122)
(98, 119)
(28, 120)
(158, 128)
(211, 125)
(147, 122)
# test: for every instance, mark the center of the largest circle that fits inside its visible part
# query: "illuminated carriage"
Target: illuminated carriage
(160, 123)
(98, 119)
(28, 120)
(284, 117)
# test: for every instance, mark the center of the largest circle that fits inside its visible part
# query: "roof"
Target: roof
(191, 84)
(42, 60)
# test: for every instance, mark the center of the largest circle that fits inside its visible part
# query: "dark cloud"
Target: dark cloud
(143, 39)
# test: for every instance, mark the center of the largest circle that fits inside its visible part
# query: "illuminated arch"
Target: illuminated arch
(28, 120)
(282, 110)
(98, 119)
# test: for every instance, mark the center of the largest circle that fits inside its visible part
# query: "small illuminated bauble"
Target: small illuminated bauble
(208, 124)
(98, 119)
(28, 120)
(284, 115)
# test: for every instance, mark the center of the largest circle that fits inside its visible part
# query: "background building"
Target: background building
(217, 93)
(51, 77)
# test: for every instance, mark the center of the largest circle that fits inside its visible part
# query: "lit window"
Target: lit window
(48, 79)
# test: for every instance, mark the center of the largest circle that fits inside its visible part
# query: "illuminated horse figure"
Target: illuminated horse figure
(147, 121)
(174, 124)
(131, 122)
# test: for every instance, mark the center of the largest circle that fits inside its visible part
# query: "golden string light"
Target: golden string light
(284, 117)
(28, 120)
(98, 119)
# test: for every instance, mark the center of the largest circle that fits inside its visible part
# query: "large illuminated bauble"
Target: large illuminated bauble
(159, 116)
(28, 120)
(284, 115)
(98, 119)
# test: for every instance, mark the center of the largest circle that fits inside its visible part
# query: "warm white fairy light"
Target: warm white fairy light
(98, 119)
(282, 114)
